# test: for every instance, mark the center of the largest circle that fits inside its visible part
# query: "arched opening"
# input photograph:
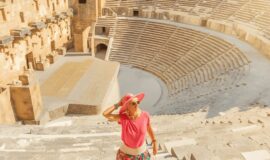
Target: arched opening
(101, 50)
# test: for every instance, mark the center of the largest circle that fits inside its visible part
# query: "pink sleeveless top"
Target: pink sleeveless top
(134, 131)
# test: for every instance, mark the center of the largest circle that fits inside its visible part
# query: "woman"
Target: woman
(135, 123)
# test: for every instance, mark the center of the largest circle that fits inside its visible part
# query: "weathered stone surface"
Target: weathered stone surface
(7, 115)
(259, 154)
(31, 35)
(85, 15)
(27, 101)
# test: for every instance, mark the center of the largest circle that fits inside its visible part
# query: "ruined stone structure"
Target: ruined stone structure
(206, 63)
(32, 35)
(83, 22)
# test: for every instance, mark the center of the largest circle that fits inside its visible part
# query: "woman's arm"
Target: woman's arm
(108, 113)
(153, 138)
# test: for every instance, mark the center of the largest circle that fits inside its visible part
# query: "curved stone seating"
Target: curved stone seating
(129, 3)
(183, 58)
(243, 10)
(248, 20)
(107, 21)
(226, 9)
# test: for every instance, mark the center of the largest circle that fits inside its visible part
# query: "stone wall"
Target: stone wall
(29, 32)
(32, 34)
(243, 32)
(84, 15)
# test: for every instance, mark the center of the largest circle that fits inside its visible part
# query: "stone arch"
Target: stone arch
(101, 49)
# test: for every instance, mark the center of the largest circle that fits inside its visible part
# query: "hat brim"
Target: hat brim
(139, 96)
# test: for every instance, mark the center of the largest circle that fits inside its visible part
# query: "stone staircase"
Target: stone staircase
(183, 137)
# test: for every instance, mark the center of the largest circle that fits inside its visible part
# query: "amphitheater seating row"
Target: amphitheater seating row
(227, 9)
(182, 58)
(262, 21)
(108, 21)
(253, 12)
(249, 11)
(129, 3)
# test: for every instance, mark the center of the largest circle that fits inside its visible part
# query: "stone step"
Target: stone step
(193, 152)
(58, 112)
(164, 156)
(179, 143)
(249, 128)
(30, 122)
(225, 152)
(257, 154)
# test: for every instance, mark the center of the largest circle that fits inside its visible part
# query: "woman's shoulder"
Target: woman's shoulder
(145, 113)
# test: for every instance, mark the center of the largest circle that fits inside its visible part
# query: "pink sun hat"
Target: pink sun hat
(128, 98)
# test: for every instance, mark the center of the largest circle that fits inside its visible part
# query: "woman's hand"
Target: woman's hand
(155, 149)
(120, 103)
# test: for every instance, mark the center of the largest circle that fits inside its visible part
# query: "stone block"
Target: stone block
(227, 153)
(246, 128)
(256, 155)
(178, 143)
(40, 66)
(20, 33)
(50, 58)
(82, 109)
(26, 101)
(58, 112)
(37, 25)
(180, 153)
(61, 51)
(193, 152)
(5, 40)
(30, 122)
(7, 115)
(24, 79)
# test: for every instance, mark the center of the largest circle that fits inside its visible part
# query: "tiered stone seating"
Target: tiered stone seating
(188, 3)
(243, 10)
(227, 9)
(165, 4)
(230, 16)
(182, 58)
(262, 21)
(137, 3)
(129, 3)
(205, 7)
(251, 10)
(157, 34)
(267, 33)
(127, 32)
(209, 3)
(112, 3)
(107, 21)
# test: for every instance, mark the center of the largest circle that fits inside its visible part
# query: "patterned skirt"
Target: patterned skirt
(122, 156)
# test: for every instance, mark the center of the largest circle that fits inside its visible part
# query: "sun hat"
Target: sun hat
(128, 98)
(125, 98)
